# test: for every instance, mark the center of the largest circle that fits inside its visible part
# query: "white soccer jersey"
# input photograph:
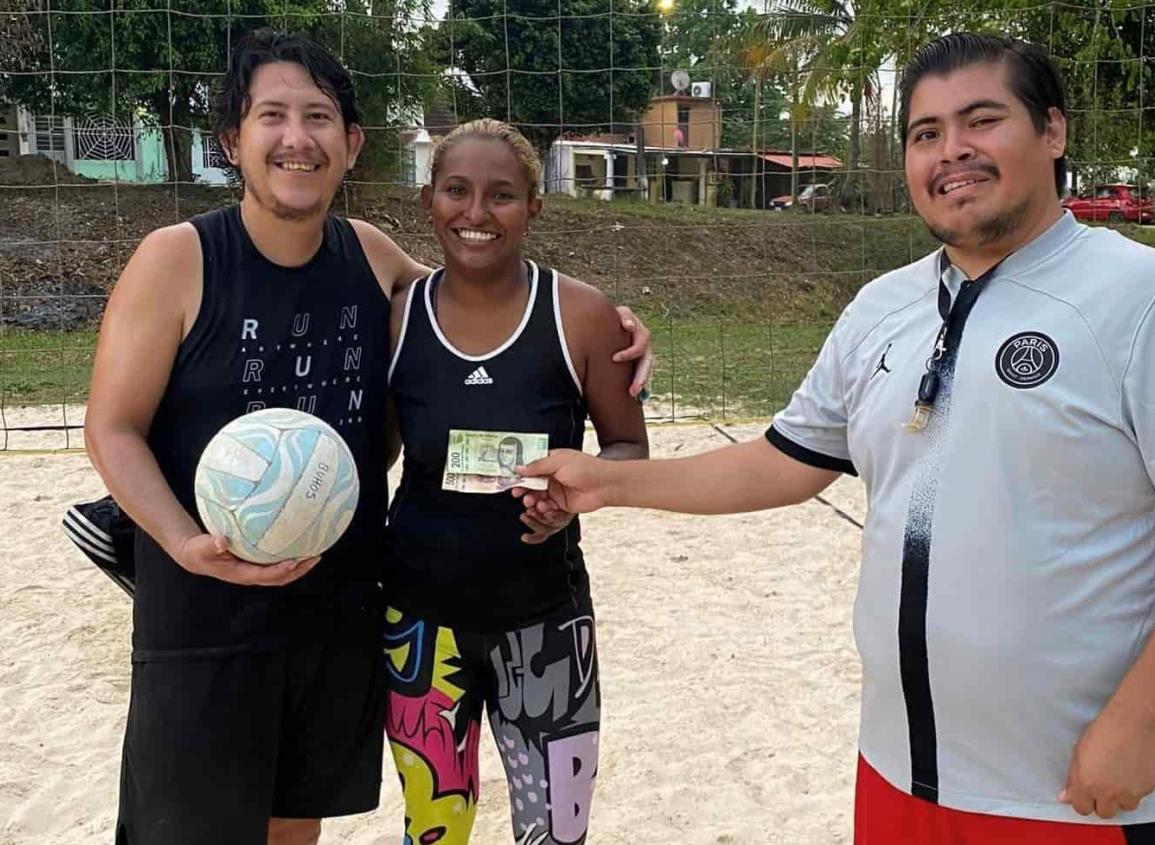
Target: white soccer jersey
(1008, 557)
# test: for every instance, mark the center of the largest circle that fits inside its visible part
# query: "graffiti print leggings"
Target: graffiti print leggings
(539, 686)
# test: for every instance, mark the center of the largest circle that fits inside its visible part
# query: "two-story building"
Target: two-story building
(673, 147)
(676, 147)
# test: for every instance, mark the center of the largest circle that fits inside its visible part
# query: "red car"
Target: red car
(1113, 203)
(816, 197)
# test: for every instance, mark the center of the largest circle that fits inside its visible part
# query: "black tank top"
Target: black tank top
(457, 558)
(314, 337)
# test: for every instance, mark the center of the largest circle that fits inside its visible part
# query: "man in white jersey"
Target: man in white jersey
(998, 400)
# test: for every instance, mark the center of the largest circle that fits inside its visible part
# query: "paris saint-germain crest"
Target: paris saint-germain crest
(1027, 360)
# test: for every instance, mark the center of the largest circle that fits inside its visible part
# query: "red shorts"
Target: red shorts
(884, 815)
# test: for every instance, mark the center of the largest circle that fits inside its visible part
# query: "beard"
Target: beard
(267, 198)
(986, 231)
(286, 212)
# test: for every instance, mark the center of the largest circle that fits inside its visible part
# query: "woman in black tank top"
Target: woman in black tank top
(490, 607)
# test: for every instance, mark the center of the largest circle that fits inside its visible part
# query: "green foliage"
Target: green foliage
(820, 128)
(586, 65)
(158, 59)
(547, 69)
(826, 50)
(1105, 51)
(693, 33)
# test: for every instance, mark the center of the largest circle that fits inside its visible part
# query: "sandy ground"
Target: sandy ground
(729, 678)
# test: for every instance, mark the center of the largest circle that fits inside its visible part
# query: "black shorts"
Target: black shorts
(216, 745)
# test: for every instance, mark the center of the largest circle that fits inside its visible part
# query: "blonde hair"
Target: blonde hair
(488, 129)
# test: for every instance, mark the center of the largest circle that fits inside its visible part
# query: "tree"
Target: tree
(704, 37)
(393, 71)
(836, 49)
(692, 32)
(1104, 49)
(18, 43)
(145, 58)
(583, 65)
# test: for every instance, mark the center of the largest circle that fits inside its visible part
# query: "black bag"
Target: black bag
(106, 535)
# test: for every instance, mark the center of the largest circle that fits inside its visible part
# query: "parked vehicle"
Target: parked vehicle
(816, 197)
(1117, 203)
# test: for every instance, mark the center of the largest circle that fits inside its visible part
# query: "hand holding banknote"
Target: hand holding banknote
(487, 461)
(578, 483)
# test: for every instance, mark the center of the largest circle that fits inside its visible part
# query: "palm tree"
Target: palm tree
(836, 48)
(764, 59)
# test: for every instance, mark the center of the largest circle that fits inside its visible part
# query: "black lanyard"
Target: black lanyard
(954, 318)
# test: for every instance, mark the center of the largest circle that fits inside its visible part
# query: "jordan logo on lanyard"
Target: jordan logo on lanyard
(946, 344)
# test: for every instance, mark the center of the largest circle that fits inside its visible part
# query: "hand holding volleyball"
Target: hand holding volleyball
(277, 485)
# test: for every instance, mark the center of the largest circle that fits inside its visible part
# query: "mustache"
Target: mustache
(978, 168)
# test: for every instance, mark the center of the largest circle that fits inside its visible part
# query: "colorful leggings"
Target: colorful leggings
(539, 685)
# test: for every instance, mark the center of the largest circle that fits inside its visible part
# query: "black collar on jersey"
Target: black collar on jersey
(954, 316)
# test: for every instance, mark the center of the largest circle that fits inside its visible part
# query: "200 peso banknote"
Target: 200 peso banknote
(487, 461)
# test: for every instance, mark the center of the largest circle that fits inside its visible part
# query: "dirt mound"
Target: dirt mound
(669, 262)
(37, 170)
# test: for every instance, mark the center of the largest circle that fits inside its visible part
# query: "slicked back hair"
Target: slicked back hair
(1032, 76)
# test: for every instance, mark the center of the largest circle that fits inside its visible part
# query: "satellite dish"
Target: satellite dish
(680, 79)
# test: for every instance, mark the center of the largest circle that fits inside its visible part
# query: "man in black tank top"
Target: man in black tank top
(256, 699)
(256, 690)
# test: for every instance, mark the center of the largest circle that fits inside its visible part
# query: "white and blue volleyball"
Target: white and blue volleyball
(277, 484)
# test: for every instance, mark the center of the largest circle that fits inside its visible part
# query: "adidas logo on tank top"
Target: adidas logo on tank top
(479, 376)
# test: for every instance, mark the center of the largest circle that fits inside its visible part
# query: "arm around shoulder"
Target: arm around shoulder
(394, 268)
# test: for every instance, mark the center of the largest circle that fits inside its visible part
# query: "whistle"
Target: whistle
(927, 392)
(918, 419)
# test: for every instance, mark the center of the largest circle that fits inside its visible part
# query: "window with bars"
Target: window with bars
(211, 153)
(409, 165)
(48, 133)
(9, 140)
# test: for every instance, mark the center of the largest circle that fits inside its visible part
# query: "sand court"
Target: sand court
(730, 684)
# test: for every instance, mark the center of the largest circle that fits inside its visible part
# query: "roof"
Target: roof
(821, 161)
(682, 97)
(620, 144)
(598, 138)
(439, 118)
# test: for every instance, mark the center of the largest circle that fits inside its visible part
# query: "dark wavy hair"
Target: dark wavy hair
(1033, 77)
(231, 97)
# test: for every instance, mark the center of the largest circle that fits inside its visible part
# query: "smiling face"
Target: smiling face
(481, 203)
(292, 147)
(978, 170)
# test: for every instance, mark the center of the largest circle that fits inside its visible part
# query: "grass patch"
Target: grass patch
(739, 301)
(725, 370)
(45, 368)
(718, 369)
(1142, 234)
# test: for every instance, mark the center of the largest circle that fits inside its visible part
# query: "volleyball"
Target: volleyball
(277, 484)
